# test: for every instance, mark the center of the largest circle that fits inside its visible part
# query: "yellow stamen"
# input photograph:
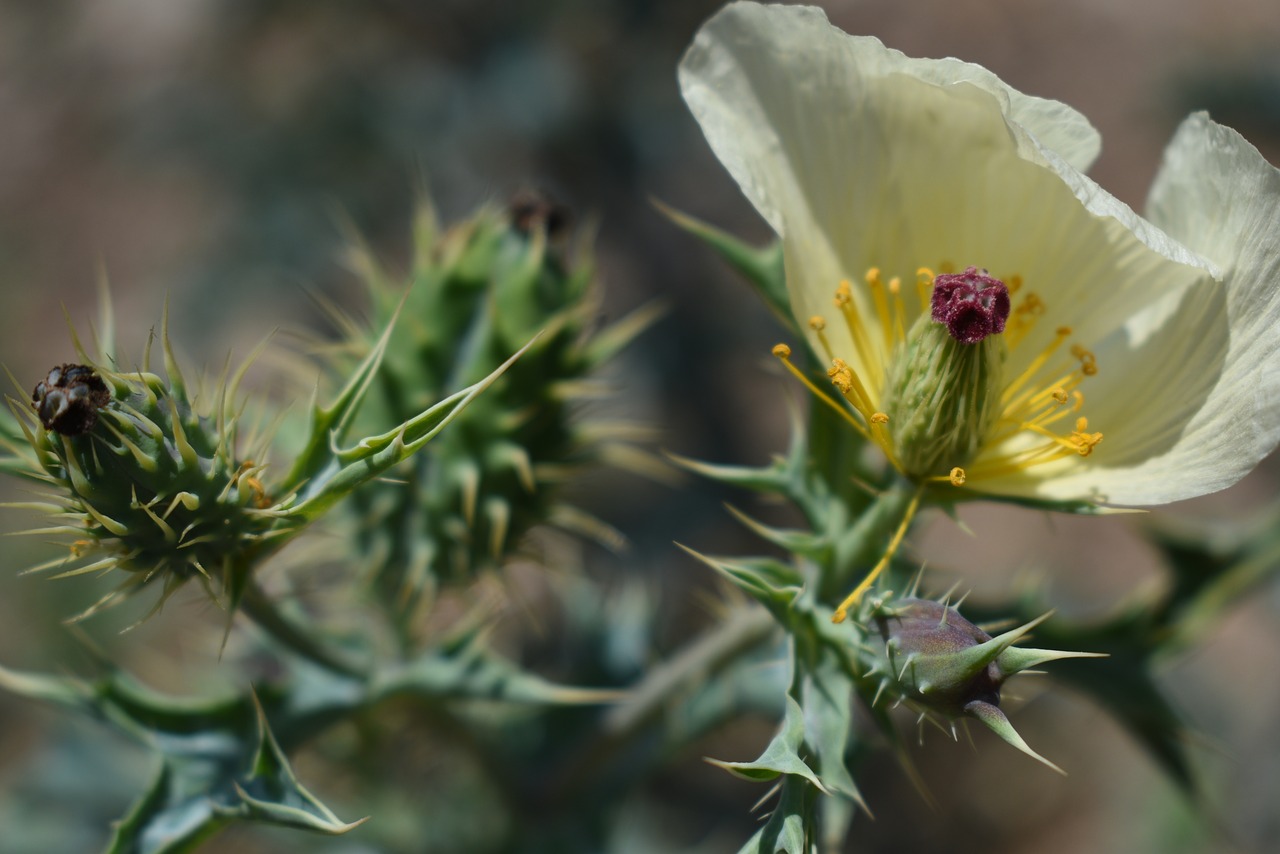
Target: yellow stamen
(1084, 442)
(849, 309)
(848, 384)
(881, 301)
(852, 599)
(899, 310)
(956, 477)
(1037, 363)
(783, 352)
(924, 286)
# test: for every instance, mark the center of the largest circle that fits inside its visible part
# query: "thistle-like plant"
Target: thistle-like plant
(475, 292)
(963, 292)
(143, 480)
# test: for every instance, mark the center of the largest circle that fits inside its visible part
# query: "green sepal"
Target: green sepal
(788, 829)
(828, 692)
(761, 266)
(1122, 682)
(154, 825)
(771, 582)
(272, 794)
(782, 756)
(219, 762)
(990, 716)
(346, 469)
(464, 667)
(773, 478)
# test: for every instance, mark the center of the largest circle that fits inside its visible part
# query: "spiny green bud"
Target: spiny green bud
(939, 662)
(140, 481)
(477, 292)
(148, 485)
(943, 394)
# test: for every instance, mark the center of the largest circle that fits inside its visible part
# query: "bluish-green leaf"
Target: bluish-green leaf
(782, 756)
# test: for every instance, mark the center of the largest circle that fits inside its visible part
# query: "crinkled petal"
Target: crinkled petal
(1208, 377)
(860, 157)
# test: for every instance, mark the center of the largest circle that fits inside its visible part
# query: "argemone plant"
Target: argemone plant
(880, 172)
(981, 320)
(401, 602)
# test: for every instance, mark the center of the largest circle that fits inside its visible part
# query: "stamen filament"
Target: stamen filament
(849, 310)
(881, 300)
(1038, 362)
(783, 352)
(924, 286)
(899, 310)
(852, 599)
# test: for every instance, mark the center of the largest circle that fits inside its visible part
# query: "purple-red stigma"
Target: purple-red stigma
(972, 304)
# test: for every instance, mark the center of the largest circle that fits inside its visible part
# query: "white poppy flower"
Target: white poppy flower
(1139, 359)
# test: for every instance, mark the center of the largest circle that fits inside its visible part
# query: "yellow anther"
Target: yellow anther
(1060, 395)
(895, 285)
(782, 351)
(879, 418)
(1013, 283)
(957, 476)
(841, 375)
(817, 324)
(1089, 369)
(1077, 400)
(844, 294)
(1031, 305)
(1063, 331)
(924, 274)
(1084, 442)
(873, 276)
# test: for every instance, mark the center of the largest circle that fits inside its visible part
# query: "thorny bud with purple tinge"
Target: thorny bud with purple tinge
(939, 662)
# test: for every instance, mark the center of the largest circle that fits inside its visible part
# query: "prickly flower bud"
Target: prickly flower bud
(943, 393)
(478, 291)
(939, 662)
(141, 479)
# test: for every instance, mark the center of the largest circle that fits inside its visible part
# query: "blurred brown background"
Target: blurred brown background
(214, 151)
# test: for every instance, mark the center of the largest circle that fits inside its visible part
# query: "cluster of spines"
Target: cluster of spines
(925, 654)
(477, 293)
(143, 483)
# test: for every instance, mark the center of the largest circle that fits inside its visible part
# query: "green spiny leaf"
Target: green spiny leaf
(782, 756)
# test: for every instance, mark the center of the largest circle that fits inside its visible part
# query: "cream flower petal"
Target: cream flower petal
(859, 157)
(1218, 195)
(1202, 374)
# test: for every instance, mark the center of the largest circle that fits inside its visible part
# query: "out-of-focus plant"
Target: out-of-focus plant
(143, 481)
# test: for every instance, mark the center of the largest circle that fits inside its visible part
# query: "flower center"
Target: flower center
(972, 305)
(928, 385)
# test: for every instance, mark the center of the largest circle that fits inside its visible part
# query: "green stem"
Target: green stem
(859, 548)
(698, 663)
(258, 607)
